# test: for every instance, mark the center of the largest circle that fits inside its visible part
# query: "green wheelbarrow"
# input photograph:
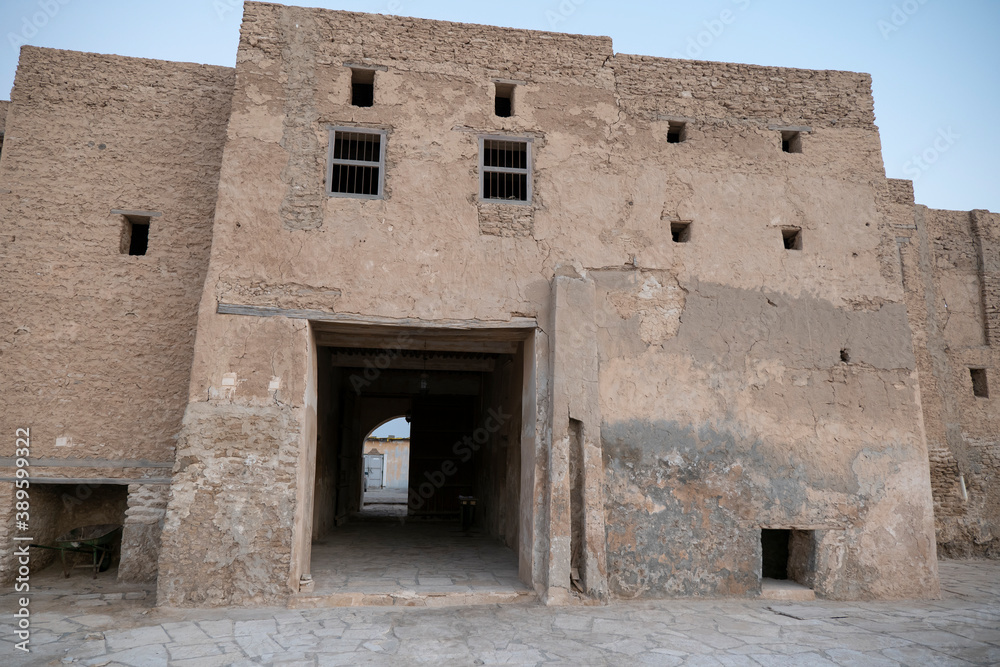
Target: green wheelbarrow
(97, 541)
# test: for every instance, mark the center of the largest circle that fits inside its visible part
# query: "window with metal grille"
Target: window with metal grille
(505, 170)
(356, 163)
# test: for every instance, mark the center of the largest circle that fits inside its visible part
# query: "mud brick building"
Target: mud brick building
(667, 320)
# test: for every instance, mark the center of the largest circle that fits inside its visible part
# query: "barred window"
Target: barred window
(356, 164)
(505, 169)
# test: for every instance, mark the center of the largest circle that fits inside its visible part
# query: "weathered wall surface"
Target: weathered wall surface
(952, 280)
(143, 525)
(97, 346)
(745, 385)
(100, 342)
(725, 403)
(227, 538)
(764, 426)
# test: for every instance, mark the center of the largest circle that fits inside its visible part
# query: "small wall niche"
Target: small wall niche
(503, 105)
(676, 132)
(680, 232)
(362, 87)
(980, 387)
(788, 554)
(845, 355)
(791, 141)
(135, 235)
(791, 237)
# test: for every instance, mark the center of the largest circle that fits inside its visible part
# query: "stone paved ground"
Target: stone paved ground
(365, 556)
(960, 629)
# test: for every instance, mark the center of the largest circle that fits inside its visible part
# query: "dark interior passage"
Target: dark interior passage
(464, 409)
(774, 553)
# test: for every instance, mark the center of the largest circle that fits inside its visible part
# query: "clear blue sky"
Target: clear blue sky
(935, 64)
(399, 428)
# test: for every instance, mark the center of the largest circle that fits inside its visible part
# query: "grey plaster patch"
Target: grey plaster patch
(722, 323)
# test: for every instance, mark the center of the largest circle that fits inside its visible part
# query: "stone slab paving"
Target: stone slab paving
(962, 628)
(398, 557)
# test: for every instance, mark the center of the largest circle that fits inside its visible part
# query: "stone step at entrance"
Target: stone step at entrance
(411, 599)
(785, 589)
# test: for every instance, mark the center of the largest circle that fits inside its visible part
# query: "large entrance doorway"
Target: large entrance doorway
(459, 531)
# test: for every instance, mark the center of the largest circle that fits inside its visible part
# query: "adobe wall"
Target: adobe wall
(726, 401)
(953, 287)
(396, 461)
(716, 391)
(97, 346)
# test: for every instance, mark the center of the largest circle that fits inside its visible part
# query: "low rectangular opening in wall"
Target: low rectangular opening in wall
(680, 232)
(362, 87)
(791, 142)
(135, 235)
(57, 509)
(980, 388)
(504, 102)
(788, 554)
(792, 238)
(845, 355)
(676, 132)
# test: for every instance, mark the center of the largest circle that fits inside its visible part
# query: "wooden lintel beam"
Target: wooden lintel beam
(413, 363)
(326, 339)
(523, 324)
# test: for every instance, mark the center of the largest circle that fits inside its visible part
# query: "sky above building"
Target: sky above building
(934, 64)
(395, 428)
